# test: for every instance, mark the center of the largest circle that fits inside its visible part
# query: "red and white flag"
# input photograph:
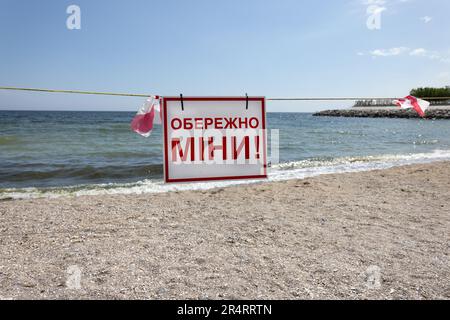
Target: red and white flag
(148, 114)
(410, 102)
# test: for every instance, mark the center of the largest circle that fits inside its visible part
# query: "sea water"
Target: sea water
(49, 154)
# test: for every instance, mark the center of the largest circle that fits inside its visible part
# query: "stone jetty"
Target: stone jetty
(386, 112)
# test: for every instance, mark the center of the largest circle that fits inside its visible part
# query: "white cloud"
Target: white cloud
(373, 2)
(418, 52)
(426, 19)
(421, 52)
(388, 52)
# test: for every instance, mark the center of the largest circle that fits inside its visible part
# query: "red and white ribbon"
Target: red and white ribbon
(148, 114)
(410, 102)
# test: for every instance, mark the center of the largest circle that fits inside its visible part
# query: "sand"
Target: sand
(370, 235)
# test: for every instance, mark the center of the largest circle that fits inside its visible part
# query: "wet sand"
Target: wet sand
(369, 235)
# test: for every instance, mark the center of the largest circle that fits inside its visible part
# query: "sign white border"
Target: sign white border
(166, 147)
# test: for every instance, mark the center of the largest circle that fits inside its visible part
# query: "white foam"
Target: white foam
(285, 171)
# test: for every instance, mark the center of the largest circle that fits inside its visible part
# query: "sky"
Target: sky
(282, 48)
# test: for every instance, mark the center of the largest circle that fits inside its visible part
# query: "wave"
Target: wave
(9, 140)
(42, 173)
(435, 155)
(284, 171)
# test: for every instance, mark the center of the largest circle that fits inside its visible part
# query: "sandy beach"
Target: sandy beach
(369, 235)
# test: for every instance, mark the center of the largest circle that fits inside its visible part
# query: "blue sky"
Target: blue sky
(278, 48)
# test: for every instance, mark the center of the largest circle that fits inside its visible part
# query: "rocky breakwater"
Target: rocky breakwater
(432, 113)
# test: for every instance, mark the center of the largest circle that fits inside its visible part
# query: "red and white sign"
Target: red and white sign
(214, 138)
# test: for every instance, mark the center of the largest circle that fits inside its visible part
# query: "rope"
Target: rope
(77, 92)
(147, 95)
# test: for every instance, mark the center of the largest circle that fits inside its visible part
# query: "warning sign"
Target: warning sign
(214, 138)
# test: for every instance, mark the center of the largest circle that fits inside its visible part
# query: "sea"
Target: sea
(54, 154)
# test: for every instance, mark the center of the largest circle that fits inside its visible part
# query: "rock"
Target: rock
(384, 113)
(161, 291)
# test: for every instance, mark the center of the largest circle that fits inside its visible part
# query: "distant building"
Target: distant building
(390, 103)
(374, 103)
